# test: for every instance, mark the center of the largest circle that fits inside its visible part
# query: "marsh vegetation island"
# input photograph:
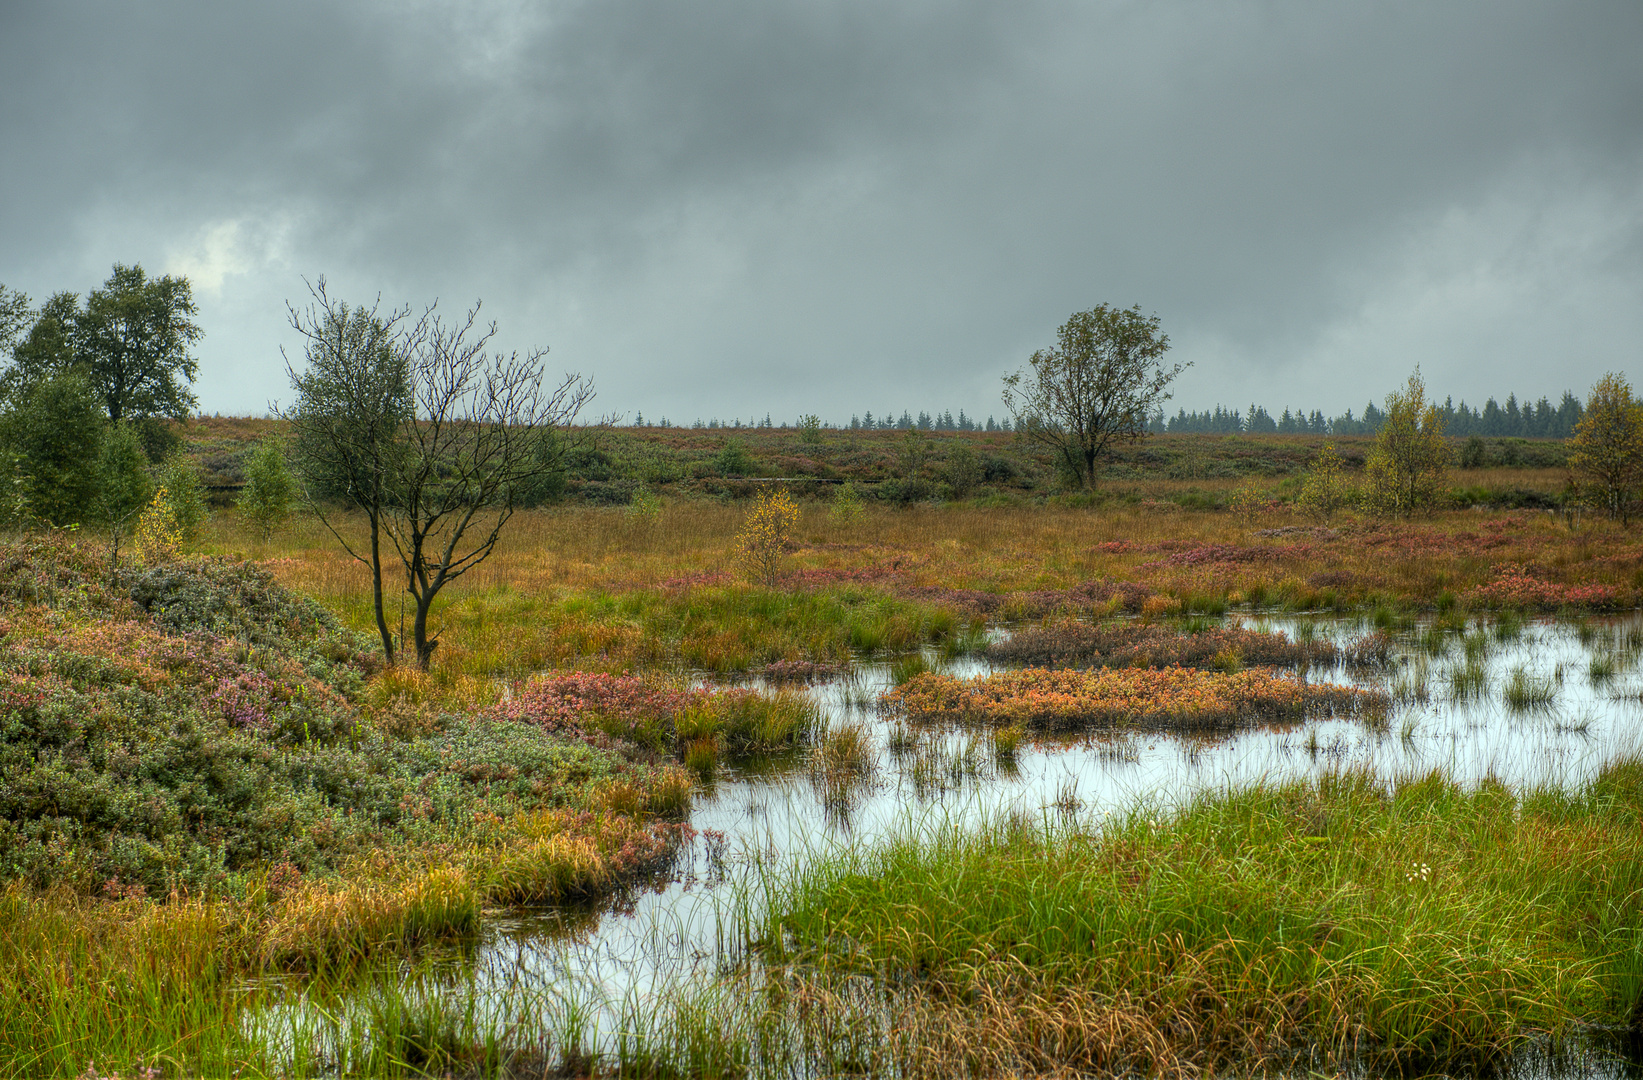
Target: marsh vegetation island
(433, 725)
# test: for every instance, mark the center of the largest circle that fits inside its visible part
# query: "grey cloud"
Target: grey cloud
(734, 207)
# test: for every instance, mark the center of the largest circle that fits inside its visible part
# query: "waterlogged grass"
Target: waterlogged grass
(1427, 927)
(586, 587)
(1061, 700)
(1197, 643)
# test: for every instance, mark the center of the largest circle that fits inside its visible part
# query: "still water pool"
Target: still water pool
(1530, 704)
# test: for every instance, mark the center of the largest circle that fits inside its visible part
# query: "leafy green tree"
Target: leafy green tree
(46, 349)
(270, 489)
(132, 342)
(1608, 448)
(14, 316)
(1101, 383)
(123, 484)
(55, 429)
(734, 460)
(1405, 470)
(963, 471)
(810, 429)
(184, 494)
(129, 341)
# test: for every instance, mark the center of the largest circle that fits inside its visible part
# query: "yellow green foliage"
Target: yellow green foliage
(159, 534)
(1608, 447)
(764, 535)
(1323, 491)
(1404, 473)
(846, 509)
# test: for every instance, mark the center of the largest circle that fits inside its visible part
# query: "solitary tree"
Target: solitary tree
(472, 447)
(1100, 383)
(429, 433)
(1608, 448)
(353, 397)
(1405, 469)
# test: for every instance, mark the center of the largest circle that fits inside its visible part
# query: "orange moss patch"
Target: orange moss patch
(1172, 697)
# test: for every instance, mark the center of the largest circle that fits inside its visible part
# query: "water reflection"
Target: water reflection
(1542, 703)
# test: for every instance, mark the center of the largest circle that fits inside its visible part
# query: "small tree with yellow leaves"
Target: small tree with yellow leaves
(1608, 448)
(1404, 473)
(1323, 489)
(159, 536)
(765, 533)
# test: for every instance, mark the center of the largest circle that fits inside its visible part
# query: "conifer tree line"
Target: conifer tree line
(889, 421)
(1542, 420)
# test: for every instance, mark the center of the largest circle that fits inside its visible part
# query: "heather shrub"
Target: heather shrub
(1173, 698)
(217, 726)
(663, 718)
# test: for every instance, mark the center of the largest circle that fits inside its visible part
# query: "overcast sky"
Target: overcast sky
(733, 207)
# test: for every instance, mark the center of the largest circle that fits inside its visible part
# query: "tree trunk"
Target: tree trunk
(376, 588)
(419, 632)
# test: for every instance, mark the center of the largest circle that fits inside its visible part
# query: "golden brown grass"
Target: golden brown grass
(593, 586)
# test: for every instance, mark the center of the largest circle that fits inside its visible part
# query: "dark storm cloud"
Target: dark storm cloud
(738, 207)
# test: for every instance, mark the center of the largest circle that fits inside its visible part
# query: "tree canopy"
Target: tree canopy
(129, 341)
(1608, 448)
(1100, 383)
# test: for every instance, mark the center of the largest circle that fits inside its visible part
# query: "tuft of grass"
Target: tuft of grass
(1468, 679)
(903, 668)
(1600, 670)
(1524, 692)
(1006, 741)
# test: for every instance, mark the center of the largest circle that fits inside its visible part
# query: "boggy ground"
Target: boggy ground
(1331, 925)
(604, 588)
(204, 779)
(209, 779)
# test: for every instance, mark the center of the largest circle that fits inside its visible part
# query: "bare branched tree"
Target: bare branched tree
(429, 433)
(353, 398)
(482, 433)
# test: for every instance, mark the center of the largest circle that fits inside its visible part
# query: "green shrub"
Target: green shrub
(270, 490)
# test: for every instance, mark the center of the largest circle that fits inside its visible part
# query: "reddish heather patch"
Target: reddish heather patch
(1211, 554)
(698, 579)
(1517, 586)
(866, 575)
